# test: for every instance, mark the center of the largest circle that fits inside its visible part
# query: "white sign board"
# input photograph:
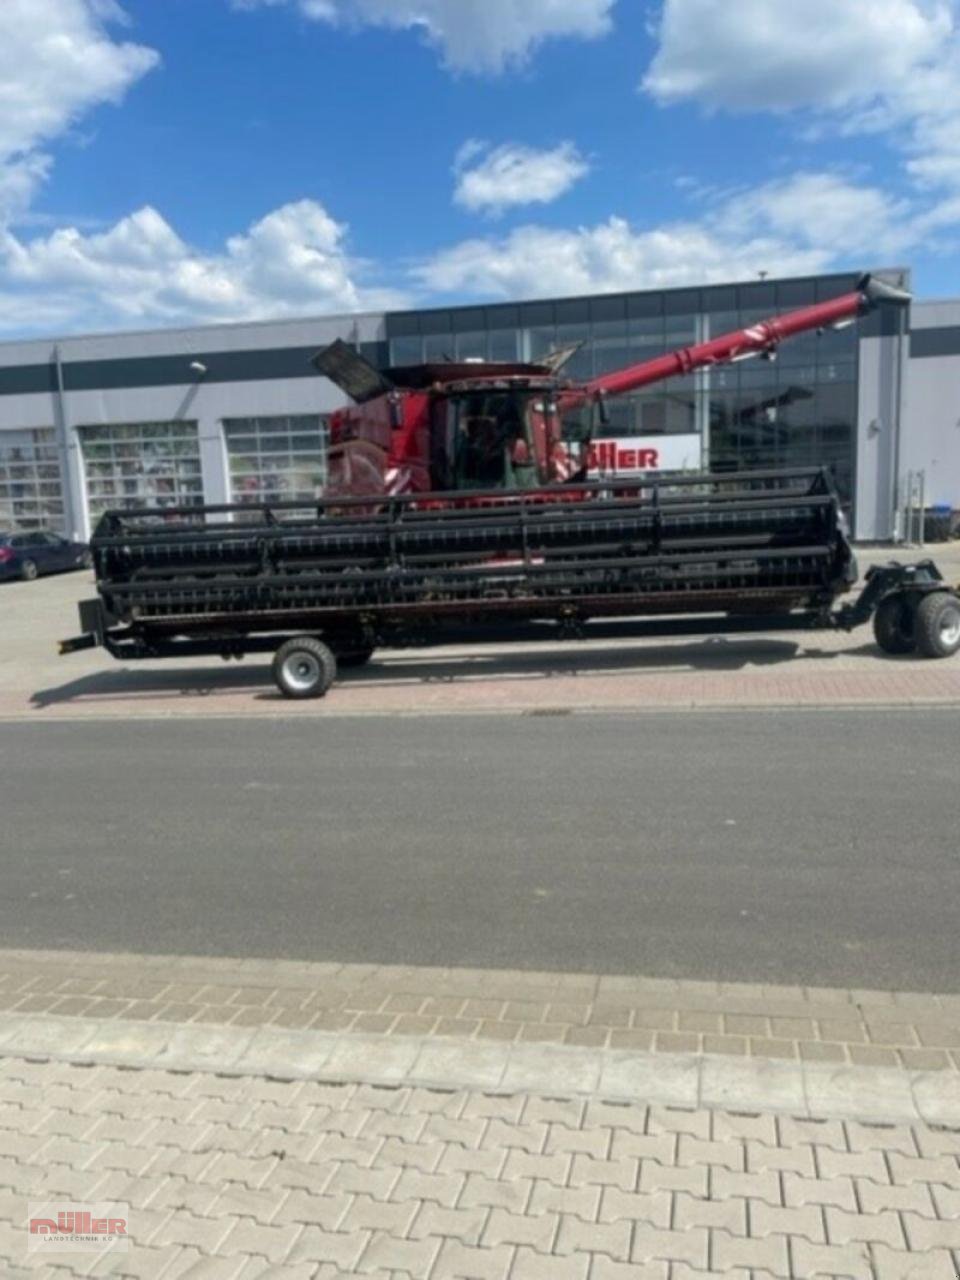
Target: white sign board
(639, 455)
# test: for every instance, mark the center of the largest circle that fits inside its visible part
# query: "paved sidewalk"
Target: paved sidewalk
(914, 1031)
(240, 1178)
(254, 1119)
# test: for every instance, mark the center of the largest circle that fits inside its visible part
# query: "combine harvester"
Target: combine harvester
(476, 494)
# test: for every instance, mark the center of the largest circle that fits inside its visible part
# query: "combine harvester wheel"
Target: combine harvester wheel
(304, 667)
(938, 625)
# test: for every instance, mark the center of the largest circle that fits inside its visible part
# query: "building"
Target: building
(233, 413)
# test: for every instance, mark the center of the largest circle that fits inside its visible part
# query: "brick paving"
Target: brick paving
(794, 669)
(243, 1178)
(912, 1031)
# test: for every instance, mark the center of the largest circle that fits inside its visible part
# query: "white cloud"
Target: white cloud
(849, 66)
(57, 61)
(755, 54)
(490, 181)
(292, 262)
(472, 35)
(750, 231)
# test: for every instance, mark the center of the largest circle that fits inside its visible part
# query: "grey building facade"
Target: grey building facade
(235, 413)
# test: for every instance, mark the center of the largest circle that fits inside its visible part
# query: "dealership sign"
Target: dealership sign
(637, 455)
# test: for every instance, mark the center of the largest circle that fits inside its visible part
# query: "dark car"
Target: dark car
(27, 555)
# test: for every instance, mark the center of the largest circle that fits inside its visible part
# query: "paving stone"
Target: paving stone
(947, 1201)
(507, 1107)
(205, 1234)
(457, 1159)
(650, 1207)
(338, 1179)
(759, 1128)
(840, 1192)
(365, 1213)
(942, 1169)
(924, 1234)
(691, 1211)
(661, 1147)
(620, 1173)
(769, 1220)
(610, 1238)
(877, 1228)
(441, 1188)
(538, 1231)
(463, 1225)
(414, 1258)
(913, 1198)
(800, 1131)
(555, 1168)
(696, 1151)
(851, 1261)
(935, 1264)
(768, 1254)
(935, 1141)
(274, 1242)
(327, 1211)
(482, 1191)
(528, 1265)
(651, 1244)
(658, 1177)
(593, 1141)
(524, 1137)
(764, 1185)
(314, 1244)
(581, 1202)
(496, 1264)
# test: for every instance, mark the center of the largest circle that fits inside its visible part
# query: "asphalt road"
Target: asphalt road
(811, 847)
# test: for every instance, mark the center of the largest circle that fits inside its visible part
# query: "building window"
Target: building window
(277, 459)
(141, 465)
(31, 480)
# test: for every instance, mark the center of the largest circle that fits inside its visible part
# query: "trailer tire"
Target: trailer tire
(894, 625)
(938, 625)
(304, 668)
(358, 657)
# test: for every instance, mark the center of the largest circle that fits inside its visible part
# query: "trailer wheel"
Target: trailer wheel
(938, 625)
(355, 657)
(304, 668)
(894, 625)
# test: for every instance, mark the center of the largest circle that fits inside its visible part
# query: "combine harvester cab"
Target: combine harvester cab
(462, 494)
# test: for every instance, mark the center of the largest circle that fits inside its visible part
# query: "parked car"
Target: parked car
(27, 555)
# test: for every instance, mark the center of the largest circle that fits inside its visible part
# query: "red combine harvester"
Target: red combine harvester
(452, 427)
(478, 494)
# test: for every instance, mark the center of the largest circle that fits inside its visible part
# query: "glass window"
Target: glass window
(31, 482)
(277, 459)
(504, 344)
(472, 345)
(580, 364)
(611, 346)
(542, 341)
(404, 351)
(437, 347)
(141, 465)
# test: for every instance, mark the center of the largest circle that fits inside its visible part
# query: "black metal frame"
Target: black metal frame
(367, 571)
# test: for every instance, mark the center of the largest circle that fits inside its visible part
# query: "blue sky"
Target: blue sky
(179, 161)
